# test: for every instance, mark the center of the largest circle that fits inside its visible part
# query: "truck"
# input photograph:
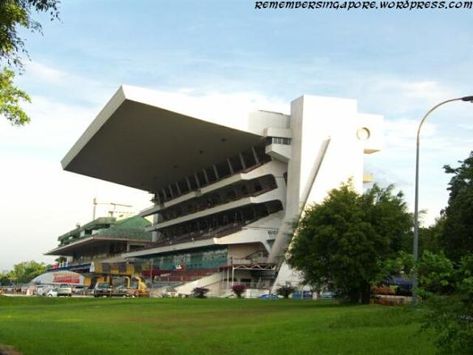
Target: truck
(130, 287)
(137, 287)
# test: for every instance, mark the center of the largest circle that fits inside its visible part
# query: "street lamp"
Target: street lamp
(416, 199)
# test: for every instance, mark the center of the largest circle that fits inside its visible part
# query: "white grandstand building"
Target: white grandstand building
(228, 188)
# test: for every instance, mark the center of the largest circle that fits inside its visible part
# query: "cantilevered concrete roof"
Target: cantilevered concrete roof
(142, 141)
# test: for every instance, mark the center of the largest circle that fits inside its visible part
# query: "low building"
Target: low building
(95, 249)
(226, 188)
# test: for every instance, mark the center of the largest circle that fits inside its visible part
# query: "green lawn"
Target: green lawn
(206, 326)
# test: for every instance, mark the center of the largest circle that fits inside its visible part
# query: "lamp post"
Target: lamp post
(416, 199)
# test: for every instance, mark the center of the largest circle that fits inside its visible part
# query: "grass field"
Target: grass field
(206, 326)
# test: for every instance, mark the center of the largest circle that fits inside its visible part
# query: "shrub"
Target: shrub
(200, 292)
(238, 290)
(285, 291)
(436, 274)
(449, 303)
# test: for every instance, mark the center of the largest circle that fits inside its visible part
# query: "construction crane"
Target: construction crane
(111, 212)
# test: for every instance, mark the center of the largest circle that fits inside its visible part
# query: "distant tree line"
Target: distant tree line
(22, 273)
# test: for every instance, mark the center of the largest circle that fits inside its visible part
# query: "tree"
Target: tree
(435, 273)
(26, 271)
(238, 290)
(446, 280)
(448, 290)
(344, 240)
(457, 236)
(4, 279)
(430, 237)
(200, 292)
(285, 291)
(10, 97)
(400, 265)
(16, 15)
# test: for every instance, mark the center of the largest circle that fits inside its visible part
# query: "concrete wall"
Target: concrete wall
(329, 140)
(241, 251)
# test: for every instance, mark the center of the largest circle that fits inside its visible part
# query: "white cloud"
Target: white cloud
(426, 90)
(43, 80)
(47, 74)
(443, 141)
(38, 200)
(41, 202)
(397, 97)
(53, 126)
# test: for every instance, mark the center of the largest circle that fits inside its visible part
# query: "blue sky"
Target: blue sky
(395, 63)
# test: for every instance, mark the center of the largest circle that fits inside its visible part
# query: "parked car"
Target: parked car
(327, 295)
(78, 290)
(102, 289)
(299, 295)
(403, 286)
(42, 290)
(120, 291)
(52, 292)
(269, 296)
(63, 290)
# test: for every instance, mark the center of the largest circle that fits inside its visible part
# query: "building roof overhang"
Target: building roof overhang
(100, 222)
(88, 242)
(141, 141)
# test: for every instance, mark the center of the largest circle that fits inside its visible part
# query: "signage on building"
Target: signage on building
(59, 277)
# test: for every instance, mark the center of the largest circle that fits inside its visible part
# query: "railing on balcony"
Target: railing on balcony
(220, 197)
